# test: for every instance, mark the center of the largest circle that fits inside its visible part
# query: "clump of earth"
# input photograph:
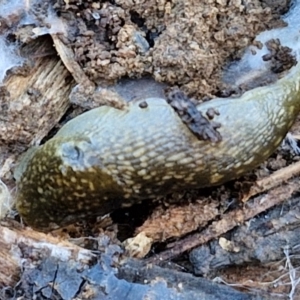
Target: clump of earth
(183, 43)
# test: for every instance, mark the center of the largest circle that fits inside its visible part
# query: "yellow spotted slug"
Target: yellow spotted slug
(108, 158)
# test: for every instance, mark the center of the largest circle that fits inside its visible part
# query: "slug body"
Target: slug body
(108, 158)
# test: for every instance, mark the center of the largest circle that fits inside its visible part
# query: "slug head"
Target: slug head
(63, 182)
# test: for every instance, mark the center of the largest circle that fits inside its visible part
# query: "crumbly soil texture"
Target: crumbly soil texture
(183, 43)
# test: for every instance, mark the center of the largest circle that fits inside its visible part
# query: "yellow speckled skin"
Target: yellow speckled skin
(108, 158)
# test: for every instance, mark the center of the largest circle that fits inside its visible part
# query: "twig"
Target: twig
(67, 56)
(228, 222)
(273, 180)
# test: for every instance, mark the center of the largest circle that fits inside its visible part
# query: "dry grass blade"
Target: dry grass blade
(294, 277)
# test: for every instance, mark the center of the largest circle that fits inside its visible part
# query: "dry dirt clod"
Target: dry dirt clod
(184, 43)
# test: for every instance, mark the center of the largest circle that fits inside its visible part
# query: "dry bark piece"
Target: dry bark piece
(263, 239)
(45, 266)
(91, 98)
(187, 285)
(11, 256)
(176, 221)
(36, 102)
(228, 222)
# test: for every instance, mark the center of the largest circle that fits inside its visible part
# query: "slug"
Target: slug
(108, 158)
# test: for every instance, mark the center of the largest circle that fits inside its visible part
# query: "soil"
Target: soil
(183, 43)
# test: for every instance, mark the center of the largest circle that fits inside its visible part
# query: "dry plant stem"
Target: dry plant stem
(273, 180)
(11, 256)
(228, 222)
(68, 58)
(292, 273)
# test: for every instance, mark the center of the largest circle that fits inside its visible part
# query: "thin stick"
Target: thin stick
(273, 180)
(67, 56)
(228, 222)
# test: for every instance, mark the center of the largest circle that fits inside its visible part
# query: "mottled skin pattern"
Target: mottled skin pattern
(108, 158)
